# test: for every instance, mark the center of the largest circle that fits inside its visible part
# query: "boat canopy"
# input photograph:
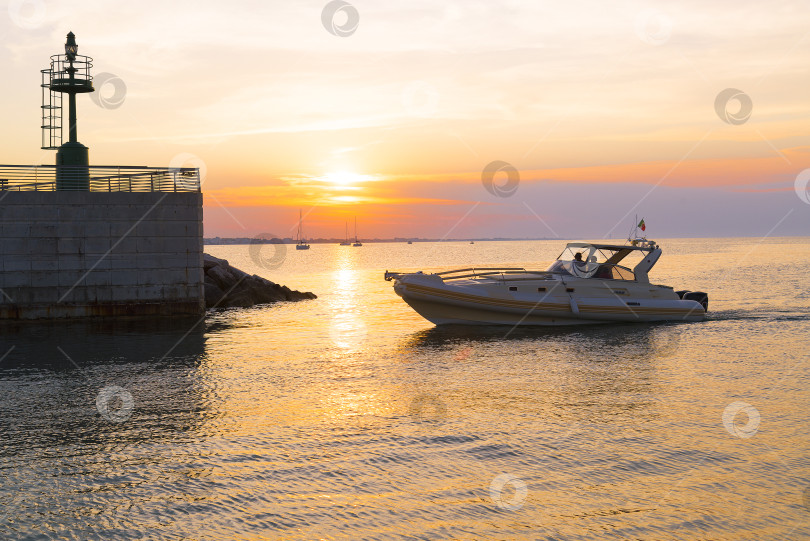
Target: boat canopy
(604, 253)
(599, 260)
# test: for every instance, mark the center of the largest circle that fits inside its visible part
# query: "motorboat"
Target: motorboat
(585, 284)
(301, 244)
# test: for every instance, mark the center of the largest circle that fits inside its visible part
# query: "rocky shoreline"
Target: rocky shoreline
(229, 287)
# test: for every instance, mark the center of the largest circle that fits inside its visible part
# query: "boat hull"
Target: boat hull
(494, 304)
(440, 313)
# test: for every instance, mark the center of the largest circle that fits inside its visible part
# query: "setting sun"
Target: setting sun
(343, 178)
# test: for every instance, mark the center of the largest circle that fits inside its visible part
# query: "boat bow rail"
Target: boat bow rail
(505, 274)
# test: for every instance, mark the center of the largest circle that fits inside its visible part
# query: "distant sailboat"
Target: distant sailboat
(346, 242)
(301, 244)
(356, 242)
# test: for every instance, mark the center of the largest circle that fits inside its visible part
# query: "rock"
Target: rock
(212, 292)
(227, 287)
(221, 277)
(210, 261)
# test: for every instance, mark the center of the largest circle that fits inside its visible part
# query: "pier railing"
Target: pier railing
(99, 178)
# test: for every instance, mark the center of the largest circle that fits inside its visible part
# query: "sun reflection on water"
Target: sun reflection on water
(347, 328)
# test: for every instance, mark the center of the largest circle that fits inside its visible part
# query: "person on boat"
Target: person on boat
(578, 264)
(582, 266)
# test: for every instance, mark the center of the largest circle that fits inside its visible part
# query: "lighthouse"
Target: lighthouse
(69, 74)
(80, 240)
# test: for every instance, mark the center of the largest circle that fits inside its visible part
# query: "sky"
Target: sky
(468, 119)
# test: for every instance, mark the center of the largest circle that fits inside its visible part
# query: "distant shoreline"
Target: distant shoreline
(224, 241)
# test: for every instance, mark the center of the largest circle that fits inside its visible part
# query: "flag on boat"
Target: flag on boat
(642, 225)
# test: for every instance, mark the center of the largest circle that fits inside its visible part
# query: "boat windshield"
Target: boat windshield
(585, 260)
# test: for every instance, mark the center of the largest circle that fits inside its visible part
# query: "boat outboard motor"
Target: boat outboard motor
(645, 265)
(699, 296)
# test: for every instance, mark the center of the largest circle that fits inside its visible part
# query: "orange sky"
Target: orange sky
(606, 110)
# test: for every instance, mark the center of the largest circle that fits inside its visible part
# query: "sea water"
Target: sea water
(350, 416)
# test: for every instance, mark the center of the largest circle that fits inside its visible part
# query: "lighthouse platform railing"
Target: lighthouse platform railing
(113, 178)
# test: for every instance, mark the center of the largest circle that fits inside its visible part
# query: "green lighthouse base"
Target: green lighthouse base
(72, 173)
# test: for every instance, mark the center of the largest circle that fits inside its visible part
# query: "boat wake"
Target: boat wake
(762, 315)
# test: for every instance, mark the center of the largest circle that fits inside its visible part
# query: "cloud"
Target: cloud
(567, 93)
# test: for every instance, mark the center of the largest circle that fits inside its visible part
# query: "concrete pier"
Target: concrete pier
(80, 254)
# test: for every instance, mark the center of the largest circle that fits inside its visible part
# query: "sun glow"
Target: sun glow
(344, 178)
(346, 199)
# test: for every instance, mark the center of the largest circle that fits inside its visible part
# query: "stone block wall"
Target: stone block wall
(80, 254)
